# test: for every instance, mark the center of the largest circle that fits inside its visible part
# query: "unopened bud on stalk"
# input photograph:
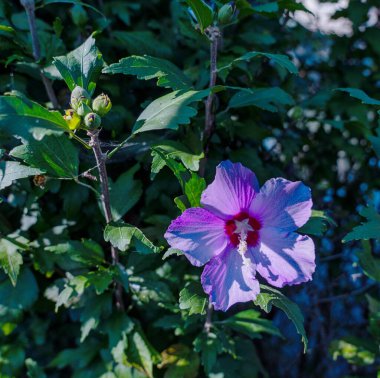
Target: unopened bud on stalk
(79, 96)
(102, 105)
(226, 13)
(72, 119)
(92, 121)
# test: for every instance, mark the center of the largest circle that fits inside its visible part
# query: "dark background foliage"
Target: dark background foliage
(313, 132)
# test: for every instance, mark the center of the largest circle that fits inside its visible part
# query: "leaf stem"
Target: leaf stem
(105, 199)
(29, 6)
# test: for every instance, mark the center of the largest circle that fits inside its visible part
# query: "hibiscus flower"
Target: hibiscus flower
(242, 230)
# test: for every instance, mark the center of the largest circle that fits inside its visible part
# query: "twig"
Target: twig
(105, 199)
(29, 6)
(214, 36)
(208, 323)
(347, 295)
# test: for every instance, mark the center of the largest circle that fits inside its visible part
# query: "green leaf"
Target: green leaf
(149, 287)
(250, 323)
(124, 193)
(360, 95)
(147, 68)
(23, 295)
(368, 230)
(203, 13)
(193, 299)
(34, 371)
(81, 66)
(173, 150)
(55, 155)
(86, 252)
(359, 352)
(369, 263)
(141, 354)
(24, 118)
(13, 170)
(317, 224)
(269, 297)
(122, 235)
(10, 256)
(180, 362)
(209, 345)
(280, 59)
(271, 99)
(169, 111)
(194, 188)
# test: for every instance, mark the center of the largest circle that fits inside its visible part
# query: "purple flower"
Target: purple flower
(241, 230)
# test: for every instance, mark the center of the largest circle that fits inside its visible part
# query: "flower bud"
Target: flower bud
(102, 105)
(79, 96)
(83, 109)
(72, 119)
(92, 121)
(226, 13)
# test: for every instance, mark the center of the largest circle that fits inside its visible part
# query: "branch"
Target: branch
(347, 295)
(29, 7)
(105, 199)
(214, 36)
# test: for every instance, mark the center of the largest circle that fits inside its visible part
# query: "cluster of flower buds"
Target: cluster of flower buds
(85, 113)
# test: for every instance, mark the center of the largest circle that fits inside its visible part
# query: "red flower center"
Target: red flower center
(243, 223)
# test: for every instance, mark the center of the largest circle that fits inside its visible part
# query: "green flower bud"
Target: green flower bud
(83, 109)
(226, 13)
(102, 105)
(79, 96)
(92, 121)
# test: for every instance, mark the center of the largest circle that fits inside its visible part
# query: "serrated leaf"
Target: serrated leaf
(194, 189)
(12, 170)
(250, 323)
(55, 155)
(34, 371)
(85, 252)
(368, 262)
(269, 297)
(124, 193)
(280, 59)
(81, 66)
(317, 224)
(148, 67)
(10, 256)
(193, 299)
(169, 111)
(367, 230)
(271, 99)
(203, 13)
(23, 295)
(122, 235)
(360, 95)
(173, 150)
(24, 118)
(141, 354)
(209, 345)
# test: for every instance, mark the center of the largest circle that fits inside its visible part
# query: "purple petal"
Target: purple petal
(199, 234)
(228, 281)
(284, 258)
(232, 190)
(283, 204)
